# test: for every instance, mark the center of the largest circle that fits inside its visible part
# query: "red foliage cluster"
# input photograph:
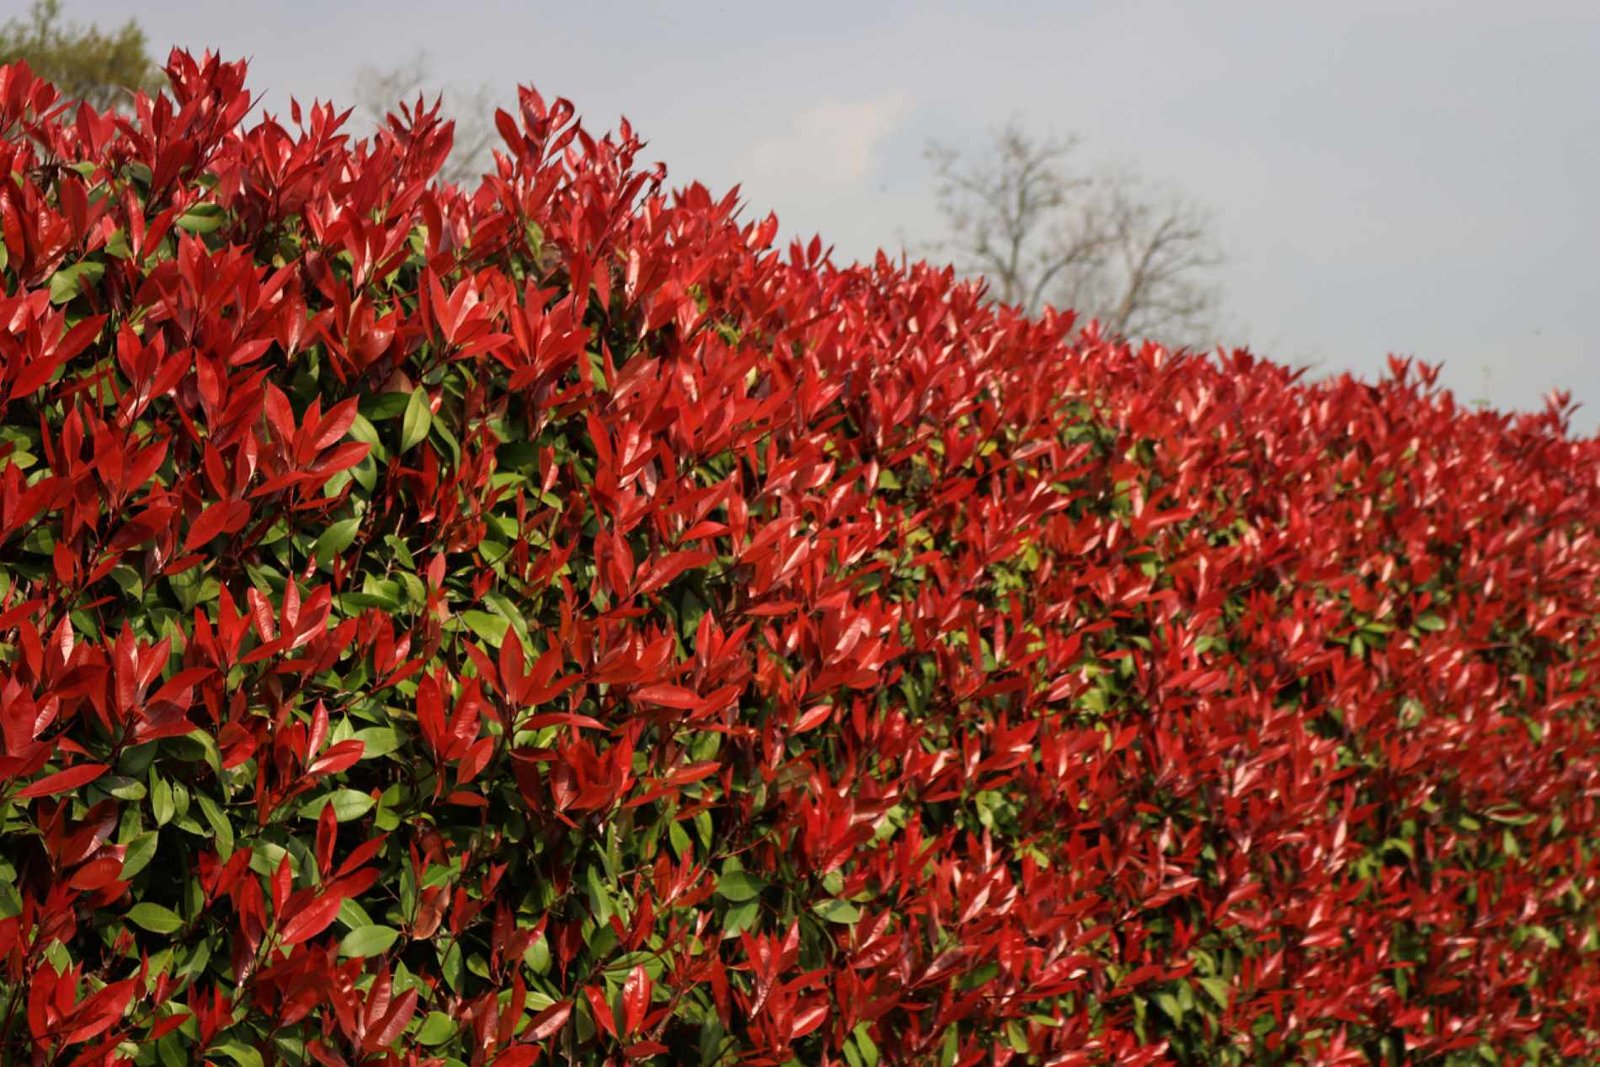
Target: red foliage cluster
(544, 623)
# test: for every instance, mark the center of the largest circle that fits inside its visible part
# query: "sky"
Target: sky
(1413, 178)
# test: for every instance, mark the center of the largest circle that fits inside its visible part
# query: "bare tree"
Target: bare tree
(381, 90)
(1042, 230)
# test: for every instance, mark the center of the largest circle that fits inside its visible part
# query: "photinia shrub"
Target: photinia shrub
(545, 623)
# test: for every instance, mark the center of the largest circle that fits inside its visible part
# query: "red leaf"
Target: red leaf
(394, 1023)
(813, 718)
(311, 920)
(335, 423)
(212, 522)
(549, 1021)
(279, 414)
(327, 831)
(23, 721)
(506, 126)
(476, 758)
(640, 1049)
(63, 781)
(344, 457)
(562, 718)
(808, 1019)
(339, 757)
(34, 374)
(282, 879)
(361, 854)
(517, 1057)
(668, 696)
(695, 772)
(596, 995)
(99, 1012)
(635, 999)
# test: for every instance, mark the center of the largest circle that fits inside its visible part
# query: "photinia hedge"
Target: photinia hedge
(546, 623)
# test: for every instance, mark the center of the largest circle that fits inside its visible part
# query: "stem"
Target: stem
(10, 1018)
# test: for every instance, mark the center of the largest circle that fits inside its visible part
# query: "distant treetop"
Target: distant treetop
(83, 62)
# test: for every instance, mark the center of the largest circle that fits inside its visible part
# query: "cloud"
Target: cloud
(832, 142)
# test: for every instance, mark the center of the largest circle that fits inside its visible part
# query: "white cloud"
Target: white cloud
(832, 142)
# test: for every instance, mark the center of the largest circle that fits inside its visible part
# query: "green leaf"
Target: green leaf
(492, 628)
(418, 420)
(220, 826)
(1430, 623)
(155, 918)
(503, 605)
(1543, 934)
(161, 803)
(378, 741)
(864, 1042)
(368, 941)
(1218, 988)
(336, 538)
(738, 886)
(240, 1053)
(265, 857)
(362, 429)
(354, 916)
(741, 917)
(838, 911)
(436, 1029)
(204, 217)
(450, 443)
(123, 787)
(451, 966)
(141, 850)
(679, 838)
(68, 282)
(1400, 844)
(365, 473)
(416, 592)
(378, 408)
(347, 804)
(599, 895)
(537, 956)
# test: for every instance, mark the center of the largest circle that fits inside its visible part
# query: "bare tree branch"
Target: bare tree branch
(1042, 230)
(380, 90)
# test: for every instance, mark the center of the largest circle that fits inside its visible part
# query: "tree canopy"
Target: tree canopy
(83, 62)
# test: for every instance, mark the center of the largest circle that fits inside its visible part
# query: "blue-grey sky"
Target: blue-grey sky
(1407, 177)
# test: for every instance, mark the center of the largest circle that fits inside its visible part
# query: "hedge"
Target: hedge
(549, 623)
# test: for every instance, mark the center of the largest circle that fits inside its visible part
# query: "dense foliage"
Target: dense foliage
(544, 623)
